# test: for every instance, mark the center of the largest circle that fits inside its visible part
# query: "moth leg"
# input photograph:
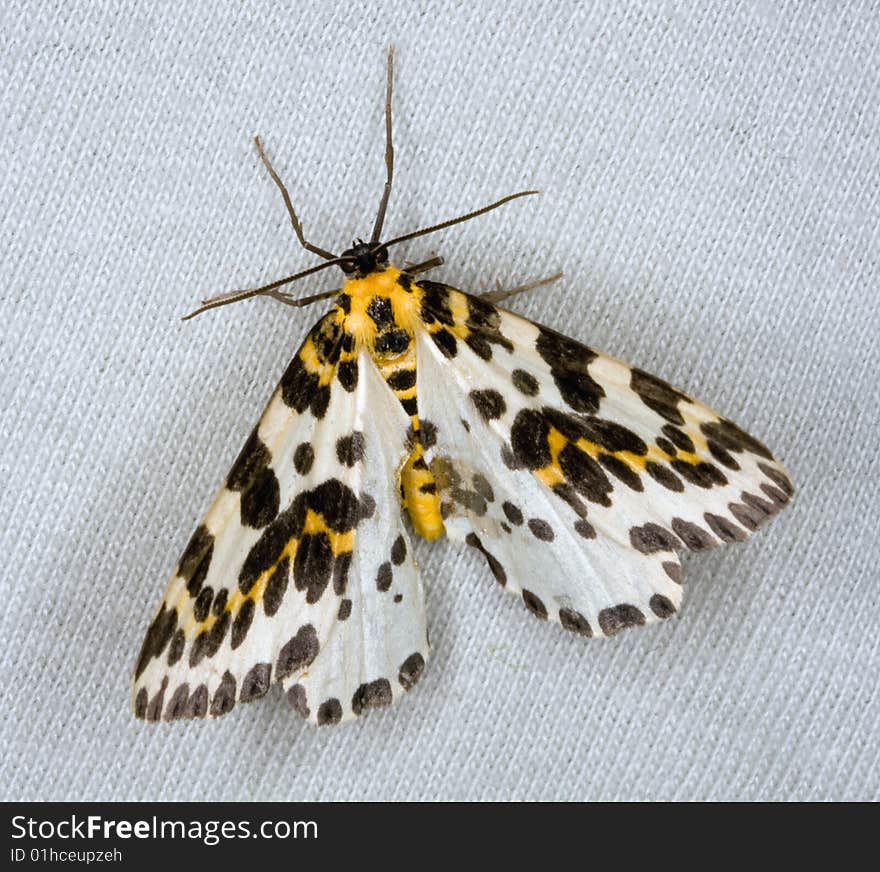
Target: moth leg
(500, 293)
(424, 266)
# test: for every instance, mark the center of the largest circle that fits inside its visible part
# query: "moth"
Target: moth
(579, 478)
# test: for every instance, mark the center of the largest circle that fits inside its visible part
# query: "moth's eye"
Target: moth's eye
(348, 266)
(382, 255)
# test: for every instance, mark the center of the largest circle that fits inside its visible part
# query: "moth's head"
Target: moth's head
(364, 259)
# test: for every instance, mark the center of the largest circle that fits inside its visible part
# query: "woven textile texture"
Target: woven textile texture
(710, 185)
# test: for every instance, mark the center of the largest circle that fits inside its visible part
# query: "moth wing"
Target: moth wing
(378, 646)
(259, 591)
(577, 476)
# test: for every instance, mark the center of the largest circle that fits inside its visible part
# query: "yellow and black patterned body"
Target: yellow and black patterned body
(382, 311)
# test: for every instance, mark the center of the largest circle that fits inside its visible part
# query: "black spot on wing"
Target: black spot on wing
(158, 636)
(276, 587)
(373, 694)
(489, 403)
(193, 565)
(569, 361)
(650, 538)
(256, 683)
(613, 620)
(728, 436)
(303, 458)
(494, 564)
(298, 653)
(260, 501)
(656, 394)
(313, 565)
(329, 712)
(224, 697)
(575, 622)
(411, 670)
(347, 374)
(351, 449)
(251, 461)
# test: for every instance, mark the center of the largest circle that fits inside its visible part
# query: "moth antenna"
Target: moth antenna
(389, 152)
(461, 218)
(294, 220)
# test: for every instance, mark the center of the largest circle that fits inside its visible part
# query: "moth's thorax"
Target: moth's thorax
(381, 311)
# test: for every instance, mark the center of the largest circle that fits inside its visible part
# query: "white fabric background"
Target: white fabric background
(711, 189)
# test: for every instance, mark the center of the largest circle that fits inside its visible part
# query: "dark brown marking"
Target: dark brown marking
(673, 570)
(731, 437)
(585, 475)
(665, 446)
(175, 649)
(140, 704)
(483, 488)
(402, 380)
(197, 705)
(678, 438)
(296, 696)
(513, 514)
(298, 653)
(219, 604)
(154, 708)
(658, 395)
(613, 620)
(778, 478)
(446, 342)
(541, 530)
(303, 457)
(351, 449)
(344, 610)
(569, 365)
(347, 374)
(202, 605)
(575, 622)
(260, 502)
(379, 309)
(702, 474)
(494, 565)
(489, 403)
(534, 604)
(621, 471)
(569, 495)
(398, 551)
(585, 529)
(525, 382)
(374, 694)
(664, 476)
(329, 712)
(313, 565)
(651, 537)
(392, 342)
(256, 682)
(176, 708)
(724, 528)
(252, 459)
(384, 576)
(242, 623)
(411, 670)
(661, 606)
(193, 565)
(158, 636)
(722, 455)
(273, 595)
(694, 537)
(224, 696)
